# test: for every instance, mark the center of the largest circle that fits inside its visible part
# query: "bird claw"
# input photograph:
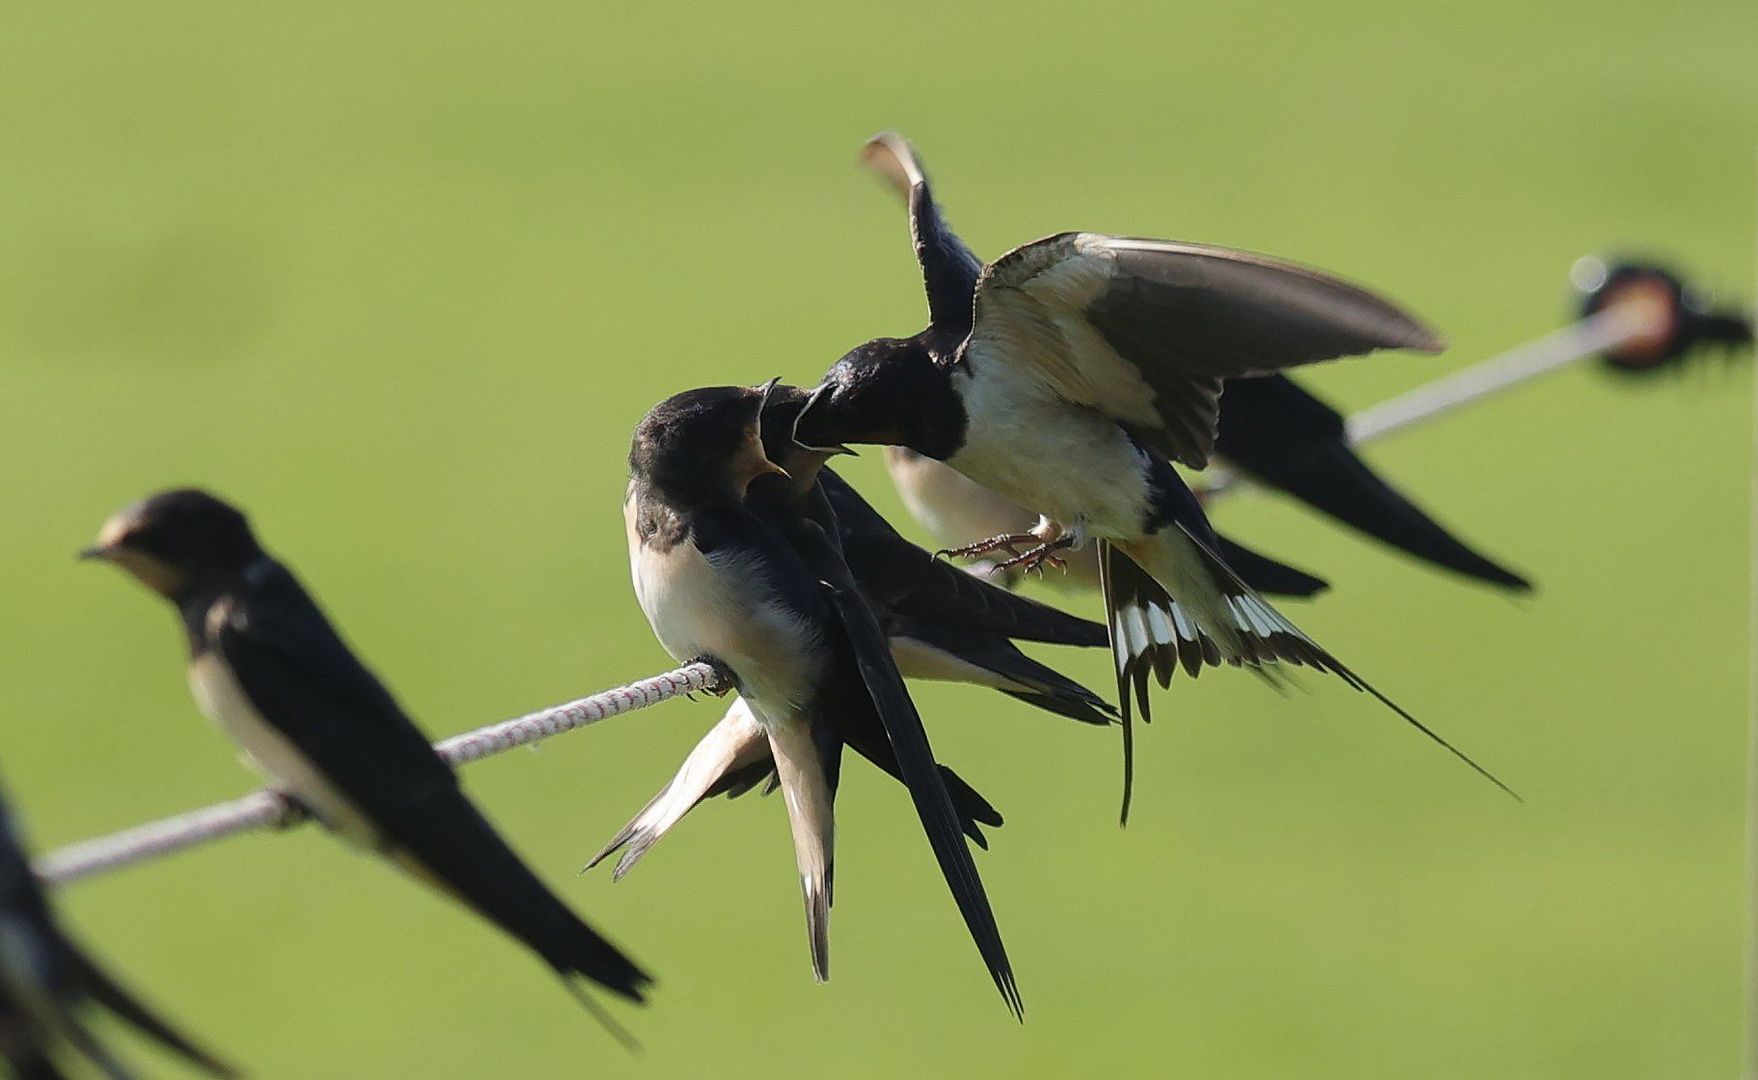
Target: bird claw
(1008, 542)
(723, 683)
(1034, 559)
(297, 813)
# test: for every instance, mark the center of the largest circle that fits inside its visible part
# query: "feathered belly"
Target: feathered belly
(265, 749)
(1069, 463)
(724, 609)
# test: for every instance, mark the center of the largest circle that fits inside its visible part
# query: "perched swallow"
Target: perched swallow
(942, 624)
(267, 667)
(1086, 365)
(46, 981)
(729, 568)
(1269, 428)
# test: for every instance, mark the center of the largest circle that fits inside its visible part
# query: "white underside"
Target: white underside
(1067, 462)
(269, 752)
(718, 608)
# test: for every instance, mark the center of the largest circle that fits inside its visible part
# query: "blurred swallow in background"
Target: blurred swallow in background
(1085, 366)
(268, 668)
(47, 981)
(1270, 428)
(729, 568)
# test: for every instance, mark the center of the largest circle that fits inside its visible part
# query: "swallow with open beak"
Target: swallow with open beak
(942, 624)
(268, 668)
(47, 981)
(1081, 367)
(730, 568)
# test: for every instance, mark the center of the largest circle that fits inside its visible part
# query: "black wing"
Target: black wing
(1165, 323)
(1001, 665)
(949, 268)
(1268, 575)
(105, 991)
(69, 971)
(897, 577)
(1290, 440)
(304, 680)
(915, 757)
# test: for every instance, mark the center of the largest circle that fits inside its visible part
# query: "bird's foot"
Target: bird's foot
(1036, 557)
(1008, 542)
(723, 677)
(297, 813)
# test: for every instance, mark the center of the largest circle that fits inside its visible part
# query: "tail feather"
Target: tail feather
(808, 785)
(106, 992)
(1215, 618)
(733, 755)
(460, 851)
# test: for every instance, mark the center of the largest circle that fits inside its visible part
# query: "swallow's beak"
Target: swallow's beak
(99, 552)
(800, 424)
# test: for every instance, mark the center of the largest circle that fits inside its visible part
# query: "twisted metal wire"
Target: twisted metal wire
(267, 809)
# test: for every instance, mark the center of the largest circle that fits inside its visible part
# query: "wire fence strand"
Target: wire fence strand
(266, 809)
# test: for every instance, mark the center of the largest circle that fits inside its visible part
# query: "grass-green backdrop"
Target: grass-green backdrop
(401, 278)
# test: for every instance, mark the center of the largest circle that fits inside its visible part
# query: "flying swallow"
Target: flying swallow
(729, 568)
(1270, 428)
(268, 668)
(47, 981)
(1086, 365)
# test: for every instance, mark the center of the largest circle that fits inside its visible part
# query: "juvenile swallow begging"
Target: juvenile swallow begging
(1270, 428)
(942, 624)
(1086, 365)
(47, 981)
(729, 569)
(268, 668)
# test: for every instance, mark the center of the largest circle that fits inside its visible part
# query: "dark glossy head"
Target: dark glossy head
(177, 541)
(888, 391)
(702, 443)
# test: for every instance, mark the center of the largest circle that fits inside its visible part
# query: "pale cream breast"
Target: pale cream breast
(718, 608)
(1048, 455)
(271, 753)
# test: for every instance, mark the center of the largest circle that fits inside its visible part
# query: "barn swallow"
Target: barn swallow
(1085, 367)
(268, 668)
(47, 981)
(1270, 428)
(942, 624)
(729, 569)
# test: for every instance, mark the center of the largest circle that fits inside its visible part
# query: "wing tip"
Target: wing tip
(1419, 337)
(891, 157)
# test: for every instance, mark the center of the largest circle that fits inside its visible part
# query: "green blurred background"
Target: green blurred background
(400, 279)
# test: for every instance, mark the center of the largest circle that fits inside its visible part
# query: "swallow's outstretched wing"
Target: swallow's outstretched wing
(1284, 437)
